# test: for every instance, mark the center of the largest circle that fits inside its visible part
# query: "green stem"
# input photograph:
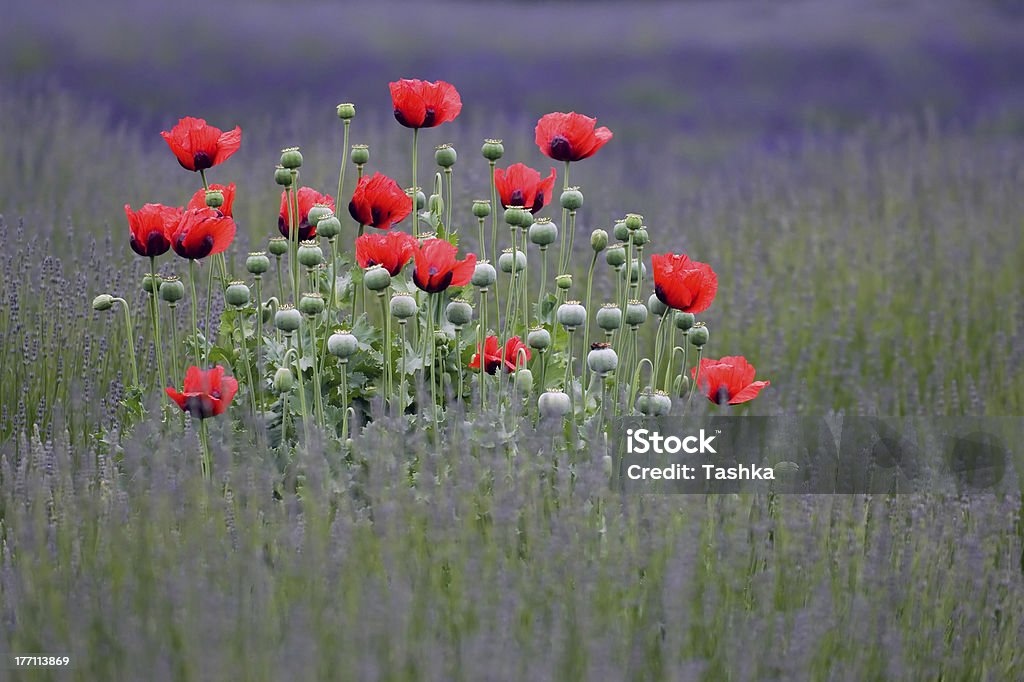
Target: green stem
(318, 404)
(481, 337)
(696, 378)
(302, 387)
(204, 443)
(259, 333)
(401, 379)
(543, 275)
(586, 325)
(206, 326)
(333, 243)
(131, 340)
(565, 222)
(193, 307)
(344, 399)
(415, 149)
(494, 225)
(158, 343)
(448, 207)
(248, 366)
(458, 357)
(665, 386)
(386, 345)
(174, 343)
(433, 365)
(344, 159)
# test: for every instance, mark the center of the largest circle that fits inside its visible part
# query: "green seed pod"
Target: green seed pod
(481, 208)
(147, 282)
(636, 313)
(653, 403)
(554, 404)
(637, 272)
(681, 385)
(311, 304)
(492, 149)
(377, 278)
(283, 176)
(403, 307)
(342, 344)
(641, 237)
(257, 262)
(237, 294)
(620, 231)
(436, 204)
(172, 290)
(421, 198)
(543, 232)
(317, 213)
(103, 302)
(360, 154)
(615, 256)
(539, 338)
(571, 314)
(564, 282)
(310, 254)
(609, 317)
(684, 320)
(571, 199)
(284, 380)
(214, 198)
(484, 275)
(346, 111)
(505, 261)
(634, 221)
(699, 335)
(459, 313)
(287, 318)
(291, 158)
(602, 359)
(655, 305)
(598, 240)
(278, 246)
(328, 227)
(445, 156)
(514, 215)
(523, 381)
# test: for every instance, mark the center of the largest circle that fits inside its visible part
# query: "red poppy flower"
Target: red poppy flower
(424, 104)
(379, 202)
(198, 199)
(570, 137)
(729, 380)
(494, 357)
(201, 232)
(437, 267)
(207, 392)
(199, 146)
(308, 198)
(392, 250)
(521, 185)
(151, 228)
(683, 284)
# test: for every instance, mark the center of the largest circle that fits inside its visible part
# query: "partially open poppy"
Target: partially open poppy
(729, 380)
(307, 199)
(683, 284)
(207, 392)
(391, 250)
(198, 145)
(437, 267)
(520, 185)
(495, 356)
(379, 202)
(424, 104)
(202, 232)
(569, 137)
(151, 228)
(198, 199)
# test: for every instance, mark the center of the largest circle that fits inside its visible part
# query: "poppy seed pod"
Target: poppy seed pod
(445, 156)
(553, 404)
(283, 176)
(637, 272)
(616, 255)
(492, 149)
(543, 232)
(641, 237)
(481, 208)
(103, 302)
(459, 313)
(328, 227)
(620, 231)
(311, 304)
(655, 305)
(284, 380)
(421, 198)
(317, 213)
(403, 306)
(346, 111)
(506, 258)
(634, 221)
(172, 290)
(291, 158)
(699, 335)
(539, 338)
(527, 219)
(377, 278)
(514, 215)
(636, 313)
(564, 282)
(360, 154)
(571, 199)
(214, 198)
(310, 254)
(237, 294)
(681, 385)
(571, 314)
(684, 320)
(287, 318)
(484, 275)
(609, 317)
(523, 381)
(257, 262)
(342, 344)
(436, 204)
(278, 246)
(598, 240)
(653, 403)
(147, 282)
(602, 359)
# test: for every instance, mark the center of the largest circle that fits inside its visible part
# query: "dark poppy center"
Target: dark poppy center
(195, 251)
(722, 395)
(376, 216)
(201, 160)
(538, 202)
(428, 120)
(560, 148)
(517, 198)
(199, 406)
(433, 270)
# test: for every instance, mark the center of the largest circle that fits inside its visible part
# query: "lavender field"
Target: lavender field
(851, 170)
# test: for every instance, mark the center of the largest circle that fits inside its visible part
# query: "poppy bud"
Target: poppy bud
(284, 380)
(553, 404)
(637, 271)
(571, 314)
(634, 221)
(310, 254)
(283, 176)
(445, 155)
(484, 275)
(602, 359)
(684, 320)
(342, 344)
(403, 307)
(539, 338)
(346, 111)
(329, 227)
(103, 302)
(564, 282)
(607, 465)
(598, 240)
(237, 294)
(147, 282)
(311, 304)
(360, 154)
(317, 213)
(514, 215)
(620, 231)
(641, 237)
(278, 246)
(653, 403)
(291, 158)
(377, 278)
(257, 262)
(505, 261)
(543, 232)
(571, 199)
(459, 313)
(214, 198)
(481, 208)
(287, 318)
(616, 255)
(655, 305)
(523, 381)
(636, 313)
(436, 204)
(681, 385)
(699, 335)
(172, 290)
(265, 311)
(609, 317)
(492, 150)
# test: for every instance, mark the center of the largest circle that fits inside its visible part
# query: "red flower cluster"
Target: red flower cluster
(495, 356)
(437, 267)
(683, 284)
(521, 185)
(198, 199)
(392, 250)
(307, 199)
(424, 104)
(570, 137)
(379, 202)
(199, 146)
(207, 392)
(151, 228)
(729, 380)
